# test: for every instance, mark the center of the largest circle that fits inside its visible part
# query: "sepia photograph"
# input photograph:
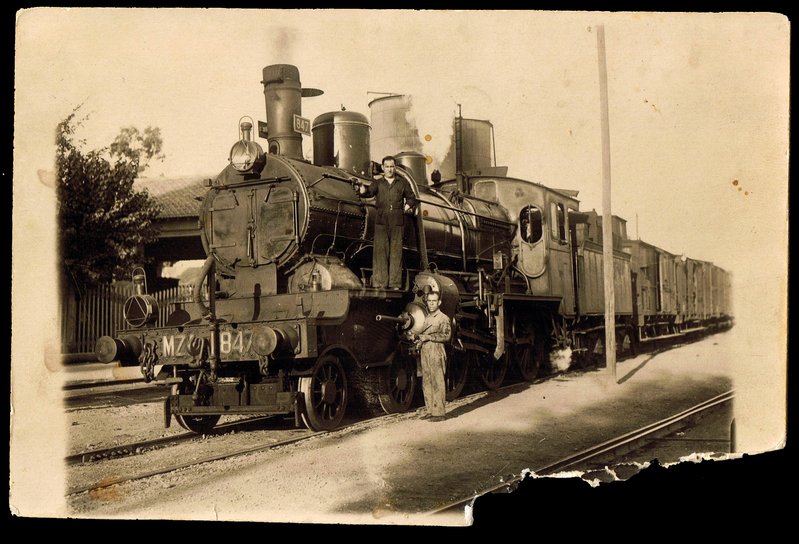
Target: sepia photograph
(365, 267)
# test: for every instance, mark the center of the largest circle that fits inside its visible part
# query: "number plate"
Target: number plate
(302, 125)
(232, 344)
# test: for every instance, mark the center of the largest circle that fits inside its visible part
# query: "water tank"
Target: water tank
(391, 131)
(341, 139)
(476, 148)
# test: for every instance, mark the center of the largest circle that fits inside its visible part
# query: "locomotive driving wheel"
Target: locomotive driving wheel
(325, 393)
(492, 371)
(528, 358)
(528, 351)
(397, 384)
(456, 373)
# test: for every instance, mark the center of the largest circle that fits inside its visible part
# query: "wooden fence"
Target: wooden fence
(99, 312)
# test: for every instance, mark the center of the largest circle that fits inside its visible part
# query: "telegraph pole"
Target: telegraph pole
(607, 216)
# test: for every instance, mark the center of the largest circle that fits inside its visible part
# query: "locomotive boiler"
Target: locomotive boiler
(285, 320)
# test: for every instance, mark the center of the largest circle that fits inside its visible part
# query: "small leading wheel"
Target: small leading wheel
(198, 424)
(492, 371)
(325, 393)
(456, 373)
(195, 424)
(397, 384)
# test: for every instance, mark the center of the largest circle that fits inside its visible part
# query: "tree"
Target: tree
(103, 222)
(137, 146)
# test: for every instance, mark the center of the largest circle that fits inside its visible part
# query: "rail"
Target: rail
(355, 426)
(143, 445)
(625, 443)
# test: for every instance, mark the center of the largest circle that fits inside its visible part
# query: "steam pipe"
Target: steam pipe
(197, 291)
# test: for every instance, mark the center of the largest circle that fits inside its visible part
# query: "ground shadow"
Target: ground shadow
(415, 484)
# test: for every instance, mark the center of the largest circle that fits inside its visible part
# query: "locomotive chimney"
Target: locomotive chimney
(283, 93)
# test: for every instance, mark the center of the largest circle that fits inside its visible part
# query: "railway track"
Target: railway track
(142, 446)
(615, 447)
(356, 426)
(664, 427)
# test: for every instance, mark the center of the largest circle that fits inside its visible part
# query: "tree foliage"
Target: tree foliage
(142, 147)
(103, 221)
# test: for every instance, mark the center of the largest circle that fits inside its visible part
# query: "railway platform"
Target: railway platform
(89, 371)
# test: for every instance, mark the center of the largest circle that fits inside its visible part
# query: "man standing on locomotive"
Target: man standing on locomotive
(393, 198)
(431, 340)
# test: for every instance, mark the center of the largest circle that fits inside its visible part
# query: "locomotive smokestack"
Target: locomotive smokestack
(283, 93)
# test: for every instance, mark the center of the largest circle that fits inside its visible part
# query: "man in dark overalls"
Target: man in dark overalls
(393, 199)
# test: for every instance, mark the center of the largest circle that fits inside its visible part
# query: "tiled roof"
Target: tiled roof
(176, 196)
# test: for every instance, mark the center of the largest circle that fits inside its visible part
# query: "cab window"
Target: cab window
(531, 226)
(557, 216)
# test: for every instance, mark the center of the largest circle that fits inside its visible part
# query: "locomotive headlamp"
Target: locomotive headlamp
(245, 155)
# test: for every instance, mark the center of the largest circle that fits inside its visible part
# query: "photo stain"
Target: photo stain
(428, 159)
(46, 178)
(736, 183)
(427, 137)
(111, 493)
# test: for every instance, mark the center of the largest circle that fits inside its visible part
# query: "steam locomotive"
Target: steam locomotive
(285, 320)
